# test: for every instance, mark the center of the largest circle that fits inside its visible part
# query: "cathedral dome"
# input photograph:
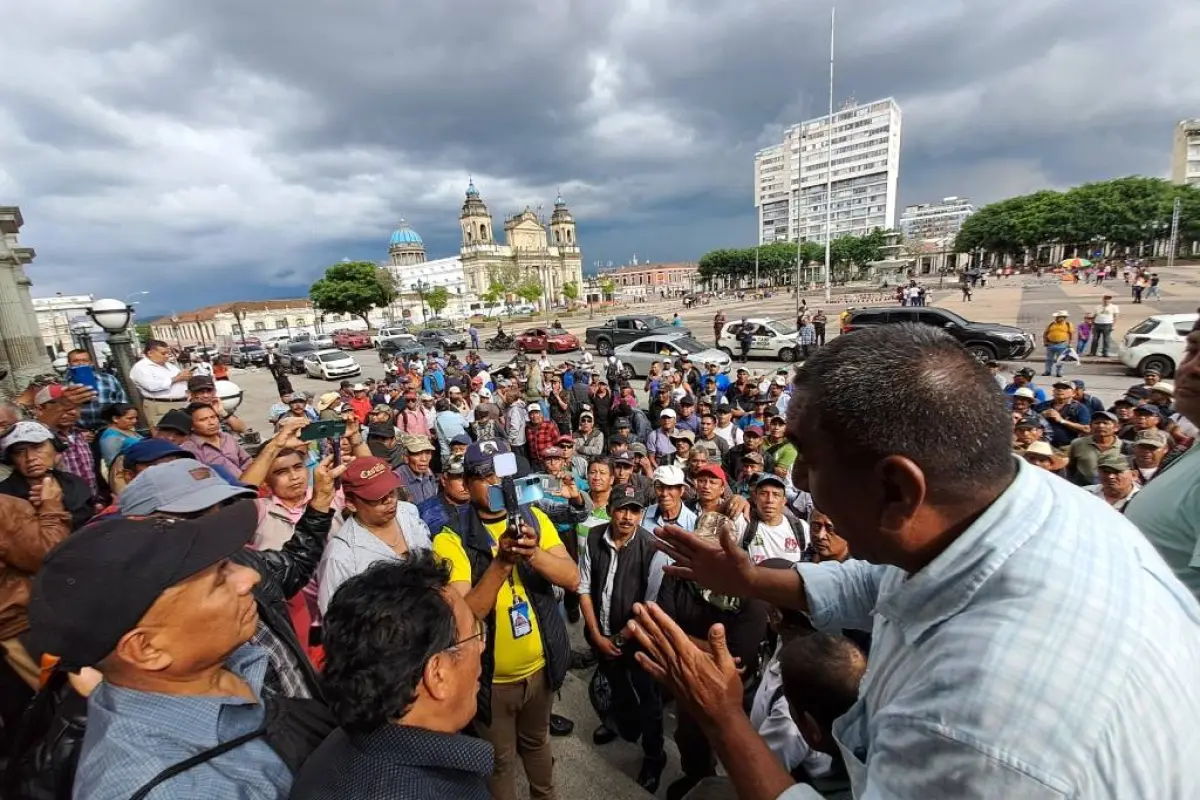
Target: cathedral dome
(405, 235)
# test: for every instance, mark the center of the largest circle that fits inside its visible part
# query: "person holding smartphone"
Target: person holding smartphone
(109, 391)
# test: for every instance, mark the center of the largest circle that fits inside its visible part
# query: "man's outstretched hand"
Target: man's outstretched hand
(722, 566)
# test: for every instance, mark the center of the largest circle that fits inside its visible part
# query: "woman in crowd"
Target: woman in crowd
(121, 432)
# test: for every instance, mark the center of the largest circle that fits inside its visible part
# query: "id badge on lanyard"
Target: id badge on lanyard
(519, 617)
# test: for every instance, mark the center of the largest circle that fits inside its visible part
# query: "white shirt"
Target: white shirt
(353, 548)
(1106, 315)
(1048, 652)
(777, 541)
(1098, 491)
(157, 382)
(773, 721)
(731, 433)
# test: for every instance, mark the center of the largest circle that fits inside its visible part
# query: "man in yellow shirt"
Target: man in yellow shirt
(1057, 338)
(508, 578)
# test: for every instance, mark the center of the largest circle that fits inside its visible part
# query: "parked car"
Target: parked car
(1156, 342)
(331, 365)
(986, 340)
(554, 340)
(625, 329)
(244, 355)
(391, 345)
(772, 339)
(639, 355)
(352, 340)
(387, 332)
(442, 338)
(323, 341)
(292, 355)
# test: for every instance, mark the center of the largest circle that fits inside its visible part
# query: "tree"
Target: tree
(351, 287)
(529, 290)
(570, 291)
(494, 293)
(437, 299)
(608, 288)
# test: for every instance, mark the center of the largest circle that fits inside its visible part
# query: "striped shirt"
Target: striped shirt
(1048, 652)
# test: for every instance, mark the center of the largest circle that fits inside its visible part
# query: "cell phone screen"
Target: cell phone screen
(324, 429)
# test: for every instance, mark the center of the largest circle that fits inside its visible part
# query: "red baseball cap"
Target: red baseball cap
(369, 478)
(714, 471)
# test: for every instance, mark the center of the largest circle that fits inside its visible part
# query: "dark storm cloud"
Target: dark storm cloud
(244, 146)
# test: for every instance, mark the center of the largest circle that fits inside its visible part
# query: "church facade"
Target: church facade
(530, 252)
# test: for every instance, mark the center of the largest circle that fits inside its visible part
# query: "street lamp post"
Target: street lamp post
(114, 317)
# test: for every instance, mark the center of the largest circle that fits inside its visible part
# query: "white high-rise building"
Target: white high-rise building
(789, 178)
(935, 221)
(1185, 154)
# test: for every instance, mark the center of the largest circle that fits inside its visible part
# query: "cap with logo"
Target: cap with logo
(182, 486)
(753, 457)
(98, 584)
(669, 475)
(25, 432)
(624, 495)
(480, 456)
(369, 478)
(48, 394)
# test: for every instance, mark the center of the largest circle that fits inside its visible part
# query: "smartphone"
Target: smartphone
(83, 375)
(323, 429)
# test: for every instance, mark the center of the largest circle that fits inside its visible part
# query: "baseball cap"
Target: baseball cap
(25, 432)
(485, 393)
(668, 412)
(623, 496)
(1108, 415)
(669, 475)
(678, 393)
(381, 408)
(553, 452)
(623, 458)
(566, 440)
(683, 434)
(454, 390)
(183, 486)
(618, 439)
(777, 418)
(461, 438)
(1025, 372)
(479, 458)
(1026, 393)
(1040, 449)
(1028, 421)
(1061, 313)
(328, 399)
(454, 466)
(147, 451)
(769, 477)
(753, 456)
(370, 478)
(177, 420)
(99, 582)
(687, 400)
(381, 430)
(1112, 460)
(1063, 385)
(198, 383)
(753, 429)
(535, 408)
(638, 449)
(417, 443)
(1148, 410)
(1155, 439)
(714, 471)
(48, 394)
(1079, 383)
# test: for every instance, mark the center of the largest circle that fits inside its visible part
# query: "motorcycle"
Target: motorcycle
(501, 341)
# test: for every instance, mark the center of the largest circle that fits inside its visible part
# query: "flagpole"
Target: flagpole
(829, 164)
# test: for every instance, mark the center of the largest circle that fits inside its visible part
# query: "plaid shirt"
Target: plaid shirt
(541, 438)
(78, 459)
(108, 392)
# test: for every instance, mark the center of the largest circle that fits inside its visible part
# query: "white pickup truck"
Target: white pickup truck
(386, 333)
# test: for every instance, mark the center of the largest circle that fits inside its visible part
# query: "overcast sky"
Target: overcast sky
(219, 150)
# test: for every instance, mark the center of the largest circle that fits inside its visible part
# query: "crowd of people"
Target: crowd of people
(839, 574)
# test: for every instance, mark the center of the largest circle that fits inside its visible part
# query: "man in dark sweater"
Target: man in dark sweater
(618, 567)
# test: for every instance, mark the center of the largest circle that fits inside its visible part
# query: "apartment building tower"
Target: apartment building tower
(935, 221)
(1185, 154)
(790, 179)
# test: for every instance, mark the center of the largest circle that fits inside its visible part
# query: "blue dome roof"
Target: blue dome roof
(405, 235)
(471, 190)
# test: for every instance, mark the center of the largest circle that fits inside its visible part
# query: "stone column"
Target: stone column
(23, 352)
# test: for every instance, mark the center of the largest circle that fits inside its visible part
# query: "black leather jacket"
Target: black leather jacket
(284, 573)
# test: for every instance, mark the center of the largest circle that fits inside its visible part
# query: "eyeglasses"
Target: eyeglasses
(480, 634)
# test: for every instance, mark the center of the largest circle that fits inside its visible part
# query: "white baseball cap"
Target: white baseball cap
(1025, 392)
(668, 412)
(669, 475)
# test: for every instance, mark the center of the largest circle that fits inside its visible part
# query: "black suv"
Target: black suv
(987, 340)
(292, 355)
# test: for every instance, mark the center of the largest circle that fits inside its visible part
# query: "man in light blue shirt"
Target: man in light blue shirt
(1027, 642)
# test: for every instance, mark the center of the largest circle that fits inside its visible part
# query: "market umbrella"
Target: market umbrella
(1076, 263)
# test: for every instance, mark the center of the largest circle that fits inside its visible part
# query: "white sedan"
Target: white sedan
(772, 339)
(331, 365)
(638, 355)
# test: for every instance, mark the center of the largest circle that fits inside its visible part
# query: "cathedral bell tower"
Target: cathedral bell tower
(562, 226)
(476, 220)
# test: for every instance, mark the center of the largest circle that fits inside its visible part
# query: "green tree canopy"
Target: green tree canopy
(529, 290)
(437, 299)
(351, 287)
(570, 291)
(777, 260)
(1122, 214)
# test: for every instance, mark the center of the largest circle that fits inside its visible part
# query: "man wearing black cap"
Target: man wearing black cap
(162, 610)
(508, 577)
(1146, 417)
(1085, 452)
(620, 566)
(381, 439)
(1069, 419)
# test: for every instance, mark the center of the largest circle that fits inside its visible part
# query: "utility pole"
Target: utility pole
(829, 164)
(756, 268)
